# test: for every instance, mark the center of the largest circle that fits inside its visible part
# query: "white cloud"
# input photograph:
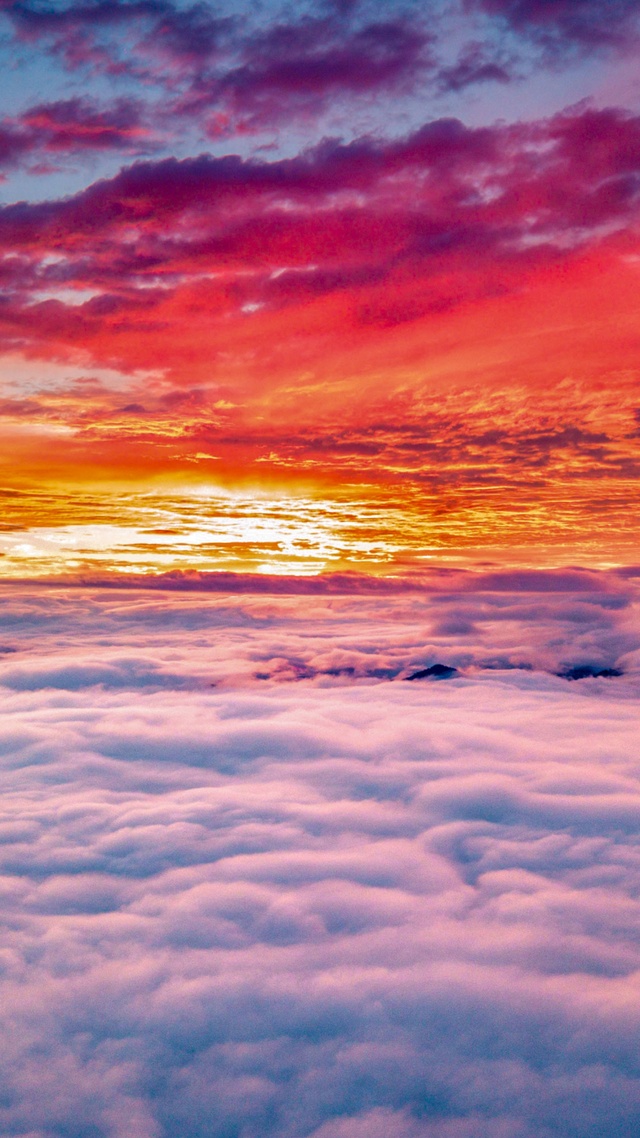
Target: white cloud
(340, 907)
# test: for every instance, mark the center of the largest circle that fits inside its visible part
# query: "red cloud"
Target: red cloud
(354, 265)
(444, 190)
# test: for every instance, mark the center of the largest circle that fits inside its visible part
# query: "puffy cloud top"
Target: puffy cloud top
(329, 903)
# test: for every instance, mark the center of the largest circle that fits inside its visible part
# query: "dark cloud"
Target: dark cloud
(474, 65)
(69, 127)
(249, 73)
(229, 74)
(13, 145)
(82, 33)
(76, 123)
(587, 24)
(596, 588)
(297, 67)
(226, 73)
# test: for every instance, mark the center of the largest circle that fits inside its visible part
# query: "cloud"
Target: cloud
(458, 209)
(557, 624)
(251, 73)
(568, 24)
(230, 290)
(90, 35)
(475, 64)
(222, 264)
(332, 908)
(242, 74)
(296, 68)
(71, 127)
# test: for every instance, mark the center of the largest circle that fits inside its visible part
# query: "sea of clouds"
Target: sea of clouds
(255, 884)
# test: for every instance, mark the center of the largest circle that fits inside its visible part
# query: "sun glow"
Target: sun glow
(218, 530)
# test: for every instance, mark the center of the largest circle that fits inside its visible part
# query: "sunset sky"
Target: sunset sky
(319, 569)
(306, 288)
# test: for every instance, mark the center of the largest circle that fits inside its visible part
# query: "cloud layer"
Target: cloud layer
(326, 903)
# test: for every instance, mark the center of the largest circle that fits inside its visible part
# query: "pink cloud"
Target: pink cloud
(335, 908)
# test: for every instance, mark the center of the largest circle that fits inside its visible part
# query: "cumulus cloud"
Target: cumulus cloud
(330, 908)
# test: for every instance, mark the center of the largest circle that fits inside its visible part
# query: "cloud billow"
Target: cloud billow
(331, 907)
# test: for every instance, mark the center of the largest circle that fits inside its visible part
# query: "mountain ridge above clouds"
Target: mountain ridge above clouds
(488, 577)
(573, 626)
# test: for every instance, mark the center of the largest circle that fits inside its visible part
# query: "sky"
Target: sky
(319, 571)
(300, 289)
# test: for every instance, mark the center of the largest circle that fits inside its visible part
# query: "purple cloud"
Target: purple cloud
(587, 24)
(296, 67)
(474, 65)
(67, 128)
(89, 35)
